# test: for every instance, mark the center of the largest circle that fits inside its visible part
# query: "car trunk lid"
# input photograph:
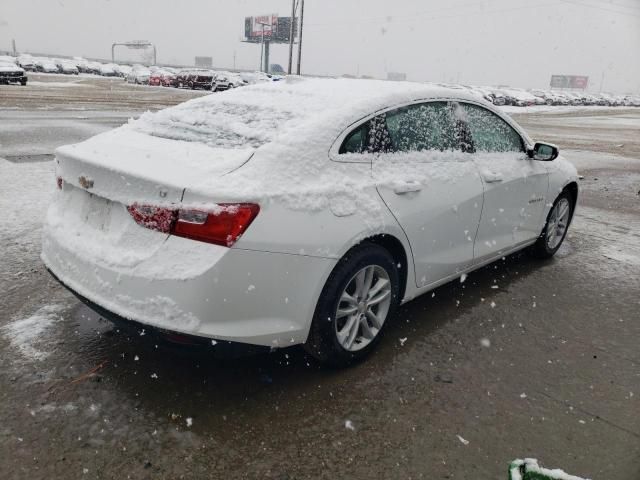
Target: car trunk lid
(103, 176)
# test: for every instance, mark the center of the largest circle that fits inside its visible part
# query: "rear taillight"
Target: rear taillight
(222, 226)
(155, 218)
(59, 182)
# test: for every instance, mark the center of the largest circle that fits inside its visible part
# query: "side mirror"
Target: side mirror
(544, 152)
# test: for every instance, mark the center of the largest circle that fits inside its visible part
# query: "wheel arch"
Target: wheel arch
(572, 189)
(397, 250)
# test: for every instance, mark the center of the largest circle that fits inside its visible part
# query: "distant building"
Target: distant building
(397, 76)
(204, 62)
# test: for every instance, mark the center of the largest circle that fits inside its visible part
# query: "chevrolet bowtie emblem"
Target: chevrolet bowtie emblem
(85, 182)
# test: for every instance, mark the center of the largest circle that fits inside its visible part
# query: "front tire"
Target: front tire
(360, 295)
(555, 230)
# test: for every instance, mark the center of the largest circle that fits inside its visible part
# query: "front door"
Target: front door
(515, 186)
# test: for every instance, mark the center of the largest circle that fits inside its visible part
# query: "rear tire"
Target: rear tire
(556, 227)
(354, 307)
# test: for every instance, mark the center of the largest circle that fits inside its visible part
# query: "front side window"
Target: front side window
(490, 133)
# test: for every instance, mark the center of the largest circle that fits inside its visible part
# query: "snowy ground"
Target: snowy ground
(524, 359)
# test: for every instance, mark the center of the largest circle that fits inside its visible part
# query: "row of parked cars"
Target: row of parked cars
(67, 66)
(12, 69)
(195, 78)
(192, 78)
(524, 98)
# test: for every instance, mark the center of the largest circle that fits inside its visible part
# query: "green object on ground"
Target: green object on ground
(528, 469)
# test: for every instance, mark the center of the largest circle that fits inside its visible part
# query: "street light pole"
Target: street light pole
(262, 49)
(294, 7)
(300, 36)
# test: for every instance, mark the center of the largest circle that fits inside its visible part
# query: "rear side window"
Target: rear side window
(356, 141)
(427, 126)
(491, 133)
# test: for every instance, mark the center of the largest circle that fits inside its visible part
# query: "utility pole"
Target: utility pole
(262, 49)
(300, 36)
(294, 7)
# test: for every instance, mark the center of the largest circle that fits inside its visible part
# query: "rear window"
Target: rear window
(216, 124)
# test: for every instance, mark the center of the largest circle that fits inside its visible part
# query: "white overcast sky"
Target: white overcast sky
(516, 42)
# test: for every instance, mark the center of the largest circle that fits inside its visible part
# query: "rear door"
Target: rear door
(432, 188)
(515, 186)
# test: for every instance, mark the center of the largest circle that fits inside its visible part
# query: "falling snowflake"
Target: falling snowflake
(349, 425)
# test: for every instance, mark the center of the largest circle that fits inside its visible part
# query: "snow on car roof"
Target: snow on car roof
(259, 114)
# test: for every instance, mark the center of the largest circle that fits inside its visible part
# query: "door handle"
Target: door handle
(407, 187)
(491, 177)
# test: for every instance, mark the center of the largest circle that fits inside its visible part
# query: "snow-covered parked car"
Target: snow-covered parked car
(27, 62)
(12, 73)
(8, 59)
(108, 70)
(138, 75)
(46, 65)
(68, 67)
(226, 80)
(299, 212)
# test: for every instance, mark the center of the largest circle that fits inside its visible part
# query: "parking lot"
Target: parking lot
(523, 359)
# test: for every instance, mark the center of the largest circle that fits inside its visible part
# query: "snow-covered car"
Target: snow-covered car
(46, 65)
(199, 79)
(139, 75)
(155, 78)
(122, 70)
(27, 62)
(67, 67)
(108, 70)
(8, 59)
(299, 212)
(226, 80)
(12, 73)
(256, 77)
(543, 97)
(168, 78)
(519, 98)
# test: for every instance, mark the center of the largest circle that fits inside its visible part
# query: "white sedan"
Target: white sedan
(299, 212)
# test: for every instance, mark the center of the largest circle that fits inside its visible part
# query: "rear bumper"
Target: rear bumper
(244, 296)
(223, 348)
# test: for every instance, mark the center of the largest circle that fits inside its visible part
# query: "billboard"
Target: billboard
(204, 62)
(569, 81)
(276, 29)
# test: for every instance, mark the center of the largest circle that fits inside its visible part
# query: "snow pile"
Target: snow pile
(28, 334)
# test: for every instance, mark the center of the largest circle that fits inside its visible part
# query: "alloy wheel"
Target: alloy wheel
(363, 308)
(558, 222)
